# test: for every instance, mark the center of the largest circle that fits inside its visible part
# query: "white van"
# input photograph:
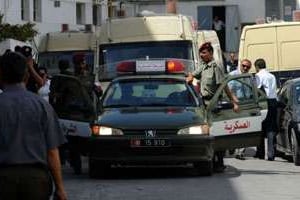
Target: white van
(278, 43)
(55, 46)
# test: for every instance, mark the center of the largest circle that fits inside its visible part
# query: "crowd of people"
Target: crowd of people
(31, 140)
(30, 134)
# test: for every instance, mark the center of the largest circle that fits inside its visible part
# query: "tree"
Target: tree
(22, 32)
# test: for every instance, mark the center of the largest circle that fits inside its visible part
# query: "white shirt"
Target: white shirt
(235, 72)
(241, 91)
(218, 25)
(268, 81)
(44, 90)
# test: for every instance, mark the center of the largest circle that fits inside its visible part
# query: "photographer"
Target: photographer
(35, 81)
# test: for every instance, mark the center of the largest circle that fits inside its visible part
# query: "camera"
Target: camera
(26, 51)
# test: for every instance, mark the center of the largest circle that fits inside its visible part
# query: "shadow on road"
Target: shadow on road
(152, 183)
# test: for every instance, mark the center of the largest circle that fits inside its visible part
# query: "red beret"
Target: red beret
(206, 46)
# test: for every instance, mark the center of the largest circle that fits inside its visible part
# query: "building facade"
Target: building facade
(54, 15)
(50, 15)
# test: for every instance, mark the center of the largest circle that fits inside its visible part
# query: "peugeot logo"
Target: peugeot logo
(150, 133)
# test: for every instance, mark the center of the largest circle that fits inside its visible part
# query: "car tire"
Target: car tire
(204, 168)
(295, 148)
(97, 168)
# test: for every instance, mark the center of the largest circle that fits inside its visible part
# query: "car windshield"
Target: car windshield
(158, 92)
(112, 54)
(50, 60)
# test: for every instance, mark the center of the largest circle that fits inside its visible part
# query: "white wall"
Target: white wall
(11, 10)
(65, 14)
(249, 10)
(53, 17)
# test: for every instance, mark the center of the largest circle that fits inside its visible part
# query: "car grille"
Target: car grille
(142, 132)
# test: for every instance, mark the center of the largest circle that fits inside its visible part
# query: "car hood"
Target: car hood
(160, 118)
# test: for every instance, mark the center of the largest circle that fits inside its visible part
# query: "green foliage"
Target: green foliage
(22, 32)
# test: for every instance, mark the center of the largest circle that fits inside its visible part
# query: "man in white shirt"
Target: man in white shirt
(267, 82)
(218, 24)
(240, 91)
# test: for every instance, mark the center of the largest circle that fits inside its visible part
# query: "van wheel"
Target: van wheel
(295, 148)
(97, 168)
(204, 168)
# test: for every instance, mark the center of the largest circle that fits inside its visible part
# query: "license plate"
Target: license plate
(150, 143)
(150, 66)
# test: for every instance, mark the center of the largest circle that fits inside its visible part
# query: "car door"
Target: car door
(73, 105)
(235, 129)
(284, 116)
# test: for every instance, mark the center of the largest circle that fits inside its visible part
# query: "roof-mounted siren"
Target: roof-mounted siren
(64, 27)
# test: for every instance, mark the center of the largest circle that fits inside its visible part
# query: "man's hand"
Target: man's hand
(55, 169)
(236, 107)
(30, 63)
(60, 195)
(189, 79)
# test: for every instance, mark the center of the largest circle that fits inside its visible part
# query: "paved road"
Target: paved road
(251, 179)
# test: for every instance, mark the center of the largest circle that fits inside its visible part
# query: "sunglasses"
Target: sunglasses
(246, 66)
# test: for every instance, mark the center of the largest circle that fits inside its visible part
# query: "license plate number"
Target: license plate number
(150, 66)
(150, 143)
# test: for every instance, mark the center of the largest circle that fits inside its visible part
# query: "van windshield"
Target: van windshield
(127, 51)
(110, 54)
(50, 60)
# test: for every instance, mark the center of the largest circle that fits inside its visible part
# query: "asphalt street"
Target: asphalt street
(250, 179)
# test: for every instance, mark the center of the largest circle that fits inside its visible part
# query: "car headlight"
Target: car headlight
(98, 130)
(195, 130)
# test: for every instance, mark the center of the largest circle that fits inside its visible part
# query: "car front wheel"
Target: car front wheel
(295, 148)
